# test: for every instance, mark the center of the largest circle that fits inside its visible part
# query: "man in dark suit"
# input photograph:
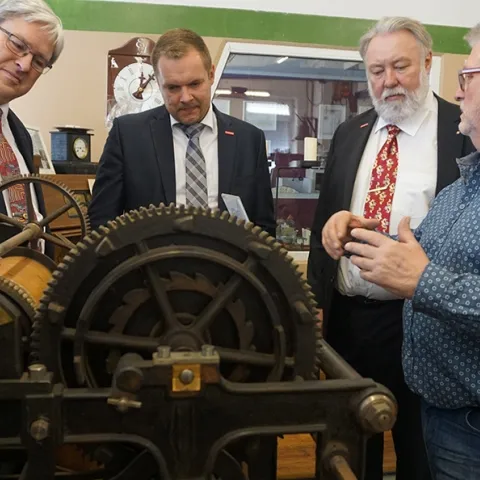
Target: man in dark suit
(384, 164)
(32, 40)
(186, 151)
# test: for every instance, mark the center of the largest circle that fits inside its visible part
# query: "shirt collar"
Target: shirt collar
(5, 108)
(412, 124)
(207, 119)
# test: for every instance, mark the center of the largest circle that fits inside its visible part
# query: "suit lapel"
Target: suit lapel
(161, 130)
(352, 159)
(449, 143)
(226, 153)
(22, 141)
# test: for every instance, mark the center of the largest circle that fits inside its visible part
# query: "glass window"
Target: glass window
(298, 102)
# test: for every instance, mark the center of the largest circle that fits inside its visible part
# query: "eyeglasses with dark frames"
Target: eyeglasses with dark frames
(466, 74)
(20, 48)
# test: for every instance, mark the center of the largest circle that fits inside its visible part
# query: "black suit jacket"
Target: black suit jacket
(344, 157)
(24, 145)
(137, 167)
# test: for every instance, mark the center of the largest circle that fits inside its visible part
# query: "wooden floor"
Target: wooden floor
(296, 455)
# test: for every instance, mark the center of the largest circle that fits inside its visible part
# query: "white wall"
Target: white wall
(436, 12)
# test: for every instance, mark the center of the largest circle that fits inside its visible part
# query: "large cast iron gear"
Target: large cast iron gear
(183, 278)
(70, 201)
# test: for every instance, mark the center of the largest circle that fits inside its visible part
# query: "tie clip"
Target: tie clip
(378, 189)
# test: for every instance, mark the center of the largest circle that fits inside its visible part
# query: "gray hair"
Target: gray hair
(397, 24)
(473, 36)
(36, 11)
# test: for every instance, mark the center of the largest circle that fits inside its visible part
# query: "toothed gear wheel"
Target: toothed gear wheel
(184, 278)
(21, 297)
(69, 201)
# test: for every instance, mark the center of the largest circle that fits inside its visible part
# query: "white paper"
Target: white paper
(235, 206)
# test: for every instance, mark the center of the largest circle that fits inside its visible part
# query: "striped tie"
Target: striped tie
(196, 174)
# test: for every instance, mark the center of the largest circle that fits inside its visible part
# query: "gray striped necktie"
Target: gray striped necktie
(196, 172)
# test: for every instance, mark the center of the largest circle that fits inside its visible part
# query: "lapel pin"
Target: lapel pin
(364, 125)
(228, 132)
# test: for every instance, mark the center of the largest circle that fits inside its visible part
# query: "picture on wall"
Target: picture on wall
(39, 148)
(329, 118)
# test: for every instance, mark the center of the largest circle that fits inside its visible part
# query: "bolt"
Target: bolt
(163, 351)
(39, 429)
(186, 376)
(37, 372)
(208, 350)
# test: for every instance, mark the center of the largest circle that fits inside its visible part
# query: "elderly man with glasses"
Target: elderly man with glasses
(31, 40)
(436, 268)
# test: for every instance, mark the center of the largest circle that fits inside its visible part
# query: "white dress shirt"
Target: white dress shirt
(414, 189)
(209, 146)
(7, 132)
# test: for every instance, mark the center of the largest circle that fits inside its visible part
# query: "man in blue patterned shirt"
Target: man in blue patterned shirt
(436, 269)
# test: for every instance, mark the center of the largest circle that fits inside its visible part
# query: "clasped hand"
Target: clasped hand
(394, 265)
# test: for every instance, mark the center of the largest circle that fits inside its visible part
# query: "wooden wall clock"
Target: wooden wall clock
(131, 82)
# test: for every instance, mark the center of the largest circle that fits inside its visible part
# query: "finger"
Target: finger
(405, 233)
(334, 249)
(368, 236)
(368, 223)
(364, 264)
(361, 249)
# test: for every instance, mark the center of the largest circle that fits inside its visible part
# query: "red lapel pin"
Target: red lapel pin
(228, 132)
(364, 125)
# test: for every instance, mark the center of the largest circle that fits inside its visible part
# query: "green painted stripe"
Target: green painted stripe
(229, 23)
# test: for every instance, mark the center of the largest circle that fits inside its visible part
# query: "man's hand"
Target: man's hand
(337, 231)
(396, 266)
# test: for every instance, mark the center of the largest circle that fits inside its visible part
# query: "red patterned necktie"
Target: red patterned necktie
(378, 203)
(8, 168)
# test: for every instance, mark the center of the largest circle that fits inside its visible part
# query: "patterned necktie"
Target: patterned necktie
(196, 172)
(378, 203)
(8, 168)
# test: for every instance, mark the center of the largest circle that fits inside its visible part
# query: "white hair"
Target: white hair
(473, 36)
(36, 11)
(396, 24)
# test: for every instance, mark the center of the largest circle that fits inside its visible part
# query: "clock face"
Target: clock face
(80, 148)
(136, 89)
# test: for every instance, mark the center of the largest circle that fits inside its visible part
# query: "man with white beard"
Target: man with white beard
(384, 164)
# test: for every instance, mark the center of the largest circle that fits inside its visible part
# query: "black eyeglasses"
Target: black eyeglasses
(20, 48)
(465, 74)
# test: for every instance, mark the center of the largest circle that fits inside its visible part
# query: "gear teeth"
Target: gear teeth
(247, 230)
(19, 295)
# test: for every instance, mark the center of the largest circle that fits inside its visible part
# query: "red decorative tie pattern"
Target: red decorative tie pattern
(378, 203)
(8, 168)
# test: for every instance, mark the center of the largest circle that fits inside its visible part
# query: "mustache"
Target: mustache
(390, 92)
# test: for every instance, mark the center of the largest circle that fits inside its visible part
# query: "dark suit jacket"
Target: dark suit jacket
(343, 160)
(24, 145)
(137, 167)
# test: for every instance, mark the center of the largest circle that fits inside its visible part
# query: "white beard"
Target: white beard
(397, 111)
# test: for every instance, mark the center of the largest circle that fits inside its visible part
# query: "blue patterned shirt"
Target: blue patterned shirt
(441, 348)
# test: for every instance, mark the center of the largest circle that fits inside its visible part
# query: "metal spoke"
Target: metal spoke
(53, 216)
(11, 221)
(251, 358)
(223, 296)
(64, 243)
(109, 339)
(157, 288)
(30, 210)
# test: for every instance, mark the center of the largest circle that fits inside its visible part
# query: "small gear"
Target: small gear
(140, 250)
